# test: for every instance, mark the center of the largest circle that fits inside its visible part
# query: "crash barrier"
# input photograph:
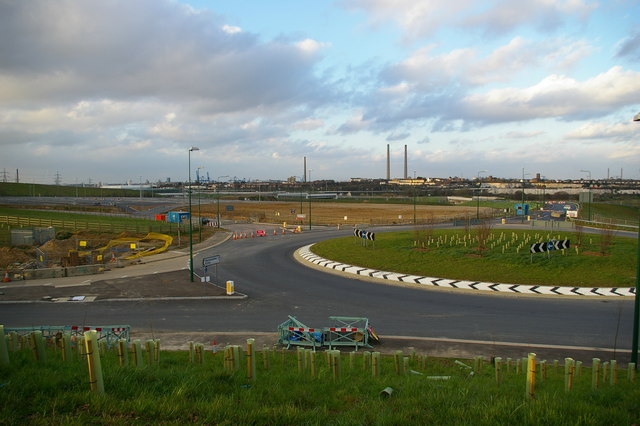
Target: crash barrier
(344, 331)
(110, 334)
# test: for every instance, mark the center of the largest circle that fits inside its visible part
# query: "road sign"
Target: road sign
(212, 260)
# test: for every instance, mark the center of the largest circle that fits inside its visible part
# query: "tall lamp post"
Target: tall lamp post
(589, 171)
(479, 191)
(193, 148)
(636, 306)
(309, 197)
(218, 191)
(199, 217)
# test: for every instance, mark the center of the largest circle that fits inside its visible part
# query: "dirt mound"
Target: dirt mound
(9, 256)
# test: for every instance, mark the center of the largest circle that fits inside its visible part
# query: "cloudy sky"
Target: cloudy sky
(112, 90)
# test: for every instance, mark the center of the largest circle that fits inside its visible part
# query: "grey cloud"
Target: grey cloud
(67, 50)
(630, 48)
(397, 136)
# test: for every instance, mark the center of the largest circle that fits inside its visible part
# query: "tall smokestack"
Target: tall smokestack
(388, 164)
(304, 175)
(405, 163)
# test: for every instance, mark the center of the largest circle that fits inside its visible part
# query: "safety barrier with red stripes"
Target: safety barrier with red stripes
(346, 331)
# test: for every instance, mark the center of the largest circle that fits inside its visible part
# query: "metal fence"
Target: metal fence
(78, 225)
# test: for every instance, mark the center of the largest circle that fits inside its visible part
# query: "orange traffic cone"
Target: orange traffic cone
(6, 277)
(274, 232)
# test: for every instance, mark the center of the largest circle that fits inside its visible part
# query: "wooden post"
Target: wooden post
(397, 359)
(66, 347)
(531, 375)
(300, 360)
(498, 365)
(251, 360)
(191, 352)
(605, 372)
(37, 345)
(314, 364)
(613, 376)
(4, 352)
(123, 353)
(569, 369)
(595, 373)
(366, 359)
(236, 357)
(335, 363)
(150, 347)
(137, 353)
(631, 372)
(543, 370)
(93, 360)
(265, 357)
(405, 365)
(375, 364)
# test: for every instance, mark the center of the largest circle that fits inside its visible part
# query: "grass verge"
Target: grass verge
(600, 260)
(176, 391)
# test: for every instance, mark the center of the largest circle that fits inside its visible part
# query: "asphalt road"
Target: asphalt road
(277, 286)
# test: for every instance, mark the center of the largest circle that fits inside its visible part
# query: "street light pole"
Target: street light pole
(589, 171)
(218, 191)
(636, 305)
(193, 148)
(199, 217)
(479, 191)
(309, 197)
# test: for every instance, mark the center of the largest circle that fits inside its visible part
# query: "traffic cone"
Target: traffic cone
(6, 277)
(252, 235)
(274, 232)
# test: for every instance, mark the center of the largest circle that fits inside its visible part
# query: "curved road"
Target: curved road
(277, 285)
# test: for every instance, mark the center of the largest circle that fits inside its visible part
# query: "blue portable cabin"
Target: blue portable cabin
(177, 217)
(522, 209)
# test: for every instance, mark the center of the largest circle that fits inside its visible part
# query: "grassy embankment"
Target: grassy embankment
(92, 223)
(449, 254)
(176, 391)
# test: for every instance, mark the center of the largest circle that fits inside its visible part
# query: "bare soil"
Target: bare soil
(331, 213)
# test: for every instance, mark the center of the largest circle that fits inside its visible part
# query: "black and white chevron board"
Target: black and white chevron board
(364, 234)
(306, 254)
(549, 246)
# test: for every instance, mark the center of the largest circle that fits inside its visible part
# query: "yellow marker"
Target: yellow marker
(83, 243)
(132, 245)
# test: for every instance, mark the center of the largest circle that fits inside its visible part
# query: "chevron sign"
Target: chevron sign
(365, 235)
(549, 246)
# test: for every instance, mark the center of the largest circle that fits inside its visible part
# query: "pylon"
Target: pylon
(274, 232)
(6, 277)
(252, 235)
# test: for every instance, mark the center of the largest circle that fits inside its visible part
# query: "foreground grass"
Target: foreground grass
(176, 391)
(502, 261)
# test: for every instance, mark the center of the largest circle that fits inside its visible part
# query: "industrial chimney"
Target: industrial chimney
(406, 176)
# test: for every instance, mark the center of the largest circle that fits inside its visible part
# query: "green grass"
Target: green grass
(611, 211)
(179, 392)
(397, 252)
(67, 216)
(39, 190)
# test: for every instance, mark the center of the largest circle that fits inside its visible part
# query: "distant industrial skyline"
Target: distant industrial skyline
(115, 90)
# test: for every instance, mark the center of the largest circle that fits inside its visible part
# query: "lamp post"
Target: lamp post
(199, 217)
(218, 191)
(193, 148)
(309, 197)
(636, 305)
(589, 171)
(479, 190)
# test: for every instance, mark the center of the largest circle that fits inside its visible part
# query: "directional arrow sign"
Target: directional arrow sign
(212, 260)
